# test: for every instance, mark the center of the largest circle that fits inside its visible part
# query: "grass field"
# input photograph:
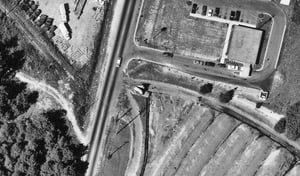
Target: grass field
(287, 90)
(184, 35)
(208, 142)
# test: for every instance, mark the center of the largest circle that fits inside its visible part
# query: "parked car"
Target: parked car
(52, 28)
(204, 10)
(33, 17)
(34, 7)
(233, 67)
(221, 65)
(30, 12)
(210, 12)
(38, 12)
(168, 54)
(210, 64)
(41, 20)
(198, 62)
(217, 11)
(119, 61)
(237, 15)
(232, 15)
(49, 22)
(194, 8)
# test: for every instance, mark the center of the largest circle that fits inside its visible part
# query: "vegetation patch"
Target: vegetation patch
(31, 143)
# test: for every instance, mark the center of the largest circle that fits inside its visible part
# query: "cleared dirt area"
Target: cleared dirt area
(117, 150)
(234, 145)
(170, 140)
(205, 146)
(83, 31)
(183, 35)
(277, 163)
(251, 158)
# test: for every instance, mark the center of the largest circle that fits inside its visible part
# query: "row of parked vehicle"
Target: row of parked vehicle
(34, 14)
(234, 15)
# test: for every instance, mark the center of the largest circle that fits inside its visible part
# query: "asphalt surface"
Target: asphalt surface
(107, 93)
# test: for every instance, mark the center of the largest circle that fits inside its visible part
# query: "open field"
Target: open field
(277, 163)
(117, 150)
(201, 141)
(286, 91)
(175, 122)
(234, 145)
(184, 35)
(206, 145)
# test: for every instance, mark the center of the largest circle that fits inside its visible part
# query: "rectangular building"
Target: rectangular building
(244, 44)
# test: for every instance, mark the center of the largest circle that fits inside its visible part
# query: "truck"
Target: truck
(141, 90)
(63, 12)
(62, 27)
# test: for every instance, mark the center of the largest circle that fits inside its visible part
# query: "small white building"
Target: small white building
(285, 2)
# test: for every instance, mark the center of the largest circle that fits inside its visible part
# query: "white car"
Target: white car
(232, 67)
(119, 61)
(210, 12)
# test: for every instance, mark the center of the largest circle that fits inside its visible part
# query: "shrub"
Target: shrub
(206, 88)
(227, 96)
(280, 125)
(293, 121)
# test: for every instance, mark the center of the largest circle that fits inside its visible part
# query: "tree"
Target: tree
(280, 125)
(259, 104)
(293, 121)
(206, 88)
(227, 96)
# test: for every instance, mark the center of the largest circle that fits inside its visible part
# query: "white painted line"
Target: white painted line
(221, 20)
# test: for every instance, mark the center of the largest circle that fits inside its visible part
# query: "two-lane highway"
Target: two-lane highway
(111, 75)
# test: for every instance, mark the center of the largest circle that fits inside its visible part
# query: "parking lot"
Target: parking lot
(237, 10)
(184, 35)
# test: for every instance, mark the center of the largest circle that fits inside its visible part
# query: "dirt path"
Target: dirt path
(137, 146)
(42, 86)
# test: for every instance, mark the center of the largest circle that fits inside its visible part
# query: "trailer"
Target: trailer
(62, 27)
(63, 13)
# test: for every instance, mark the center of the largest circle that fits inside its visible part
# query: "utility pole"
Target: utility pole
(131, 121)
(127, 112)
(112, 153)
(163, 29)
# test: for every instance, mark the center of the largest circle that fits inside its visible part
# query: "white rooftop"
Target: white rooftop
(285, 2)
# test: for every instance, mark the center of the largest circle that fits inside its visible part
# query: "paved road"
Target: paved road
(95, 149)
(186, 63)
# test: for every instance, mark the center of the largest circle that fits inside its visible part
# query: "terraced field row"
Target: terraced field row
(210, 143)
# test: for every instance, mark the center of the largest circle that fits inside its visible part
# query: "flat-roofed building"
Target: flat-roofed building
(244, 44)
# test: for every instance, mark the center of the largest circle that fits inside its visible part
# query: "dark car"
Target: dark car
(194, 8)
(33, 17)
(38, 12)
(210, 64)
(30, 12)
(49, 22)
(52, 28)
(34, 7)
(232, 15)
(238, 15)
(168, 54)
(41, 20)
(221, 65)
(204, 10)
(217, 11)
